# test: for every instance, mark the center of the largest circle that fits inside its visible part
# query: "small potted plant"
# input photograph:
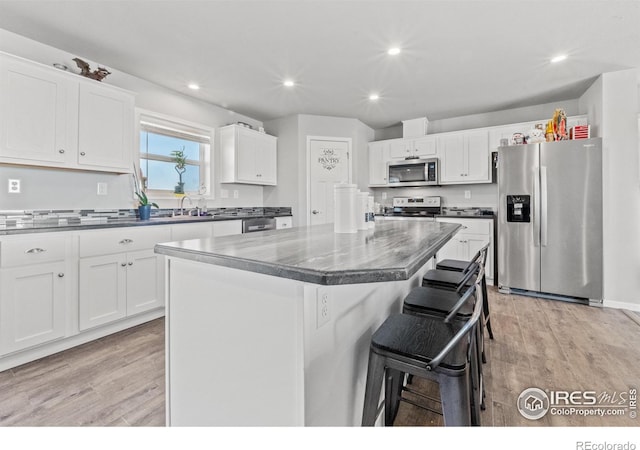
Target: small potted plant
(144, 205)
(180, 160)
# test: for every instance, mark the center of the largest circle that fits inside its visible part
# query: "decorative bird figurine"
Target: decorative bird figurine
(85, 70)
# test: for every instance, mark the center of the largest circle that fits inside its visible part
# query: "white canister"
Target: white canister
(363, 211)
(345, 208)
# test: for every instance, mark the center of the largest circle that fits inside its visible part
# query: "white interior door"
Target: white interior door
(329, 163)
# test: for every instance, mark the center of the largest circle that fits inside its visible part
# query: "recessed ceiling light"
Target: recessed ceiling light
(289, 83)
(393, 51)
(374, 97)
(193, 86)
(558, 58)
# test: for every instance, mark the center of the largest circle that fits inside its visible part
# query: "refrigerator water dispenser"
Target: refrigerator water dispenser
(519, 208)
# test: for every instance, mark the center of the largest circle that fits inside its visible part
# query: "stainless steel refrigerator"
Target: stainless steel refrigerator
(550, 218)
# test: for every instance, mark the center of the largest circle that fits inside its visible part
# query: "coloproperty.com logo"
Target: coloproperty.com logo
(535, 403)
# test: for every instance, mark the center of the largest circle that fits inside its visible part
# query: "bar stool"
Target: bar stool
(426, 347)
(453, 274)
(438, 303)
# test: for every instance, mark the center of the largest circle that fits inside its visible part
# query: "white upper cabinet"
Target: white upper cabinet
(378, 158)
(247, 156)
(38, 120)
(464, 157)
(423, 147)
(105, 134)
(57, 119)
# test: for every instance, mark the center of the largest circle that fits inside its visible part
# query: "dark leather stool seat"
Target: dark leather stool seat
(433, 301)
(455, 265)
(426, 347)
(448, 278)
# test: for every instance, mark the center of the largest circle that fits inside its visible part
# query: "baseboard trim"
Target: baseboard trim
(24, 356)
(621, 305)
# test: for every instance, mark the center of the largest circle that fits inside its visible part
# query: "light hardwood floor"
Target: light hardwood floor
(119, 380)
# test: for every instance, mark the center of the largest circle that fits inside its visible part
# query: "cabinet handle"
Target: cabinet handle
(130, 263)
(123, 264)
(60, 275)
(82, 153)
(125, 241)
(36, 250)
(61, 150)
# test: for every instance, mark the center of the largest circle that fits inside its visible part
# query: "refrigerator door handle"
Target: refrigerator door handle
(543, 206)
(536, 207)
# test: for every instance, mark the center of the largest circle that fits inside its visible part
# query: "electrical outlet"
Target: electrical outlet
(102, 188)
(323, 313)
(467, 194)
(14, 187)
(384, 196)
(236, 193)
(224, 193)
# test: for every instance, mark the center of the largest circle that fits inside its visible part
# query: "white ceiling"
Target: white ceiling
(458, 57)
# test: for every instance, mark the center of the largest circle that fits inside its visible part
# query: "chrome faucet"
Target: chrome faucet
(182, 204)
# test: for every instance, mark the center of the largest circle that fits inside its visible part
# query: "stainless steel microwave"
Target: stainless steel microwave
(413, 172)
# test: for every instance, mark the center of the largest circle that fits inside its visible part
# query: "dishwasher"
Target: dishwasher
(258, 224)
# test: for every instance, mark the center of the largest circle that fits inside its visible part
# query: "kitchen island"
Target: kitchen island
(273, 328)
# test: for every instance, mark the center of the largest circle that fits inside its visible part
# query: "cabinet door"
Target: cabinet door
(32, 305)
(425, 147)
(475, 243)
(145, 281)
(103, 290)
(284, 222)
(186, 231)
(267, 161)
(37, 114)
(105, 135)
(477, 153)
(453, 249)
(246, 150)
(452, 153)
(378, 158)
(227, 228)
(400, 148)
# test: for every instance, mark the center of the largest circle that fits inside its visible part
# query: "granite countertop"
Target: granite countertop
(51, 221)
(392, 251)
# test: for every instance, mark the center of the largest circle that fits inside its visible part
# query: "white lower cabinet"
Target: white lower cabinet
(35, 281)
(284, 222)
(466, 243)
(227, 228)
(103, 290)
(120, 275)
(119, 285)
(32, 305)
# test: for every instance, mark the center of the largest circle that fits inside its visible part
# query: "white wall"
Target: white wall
(613, 105)
(295, 152)
(58, 189)
(286, 193)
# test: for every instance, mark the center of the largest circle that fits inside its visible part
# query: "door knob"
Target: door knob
(315, 211)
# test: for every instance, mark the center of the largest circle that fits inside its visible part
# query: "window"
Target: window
(159, 137)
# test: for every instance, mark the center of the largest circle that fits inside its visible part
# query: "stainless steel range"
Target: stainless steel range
(416, 207)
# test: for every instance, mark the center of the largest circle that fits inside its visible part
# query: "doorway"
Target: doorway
(328, 163)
